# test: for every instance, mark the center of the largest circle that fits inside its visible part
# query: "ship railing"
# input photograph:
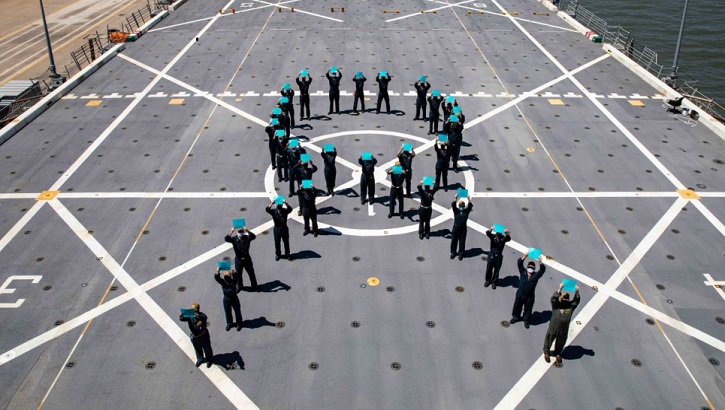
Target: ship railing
(18, 107)
(689, 90)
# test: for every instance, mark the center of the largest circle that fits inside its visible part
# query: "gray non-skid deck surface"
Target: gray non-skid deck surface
(525, 162)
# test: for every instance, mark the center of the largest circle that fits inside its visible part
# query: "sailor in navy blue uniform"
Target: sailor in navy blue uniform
(460, 226)
(270, 129)
(334, 77)
(442, 157)
(526, 293)
(199, 336)
(281, 231)
(434, 103)
(367, 179)
(303, 81)
(230, 288)
(241, 241)
(330, 170)
(359, 92)
(424, 210)
(406, 161)
(383, 91)
(495, 256)
(421, 89)
(282, 164)
(396, 191)
(308, 206)
(288, 92)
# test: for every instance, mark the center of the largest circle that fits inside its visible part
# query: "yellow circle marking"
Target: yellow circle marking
(373, 281)
(237, 99)
(530, 149)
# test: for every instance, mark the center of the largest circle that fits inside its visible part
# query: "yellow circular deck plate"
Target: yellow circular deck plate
(373, 281)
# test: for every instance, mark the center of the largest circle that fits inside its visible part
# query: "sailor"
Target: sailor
(424, 210)
(434, 103)
(303, 81)
(383, 78)
(367, 179)
(447, 106)
(289, 93)
(308, 196)
(282, 163)
(280, 112)
(279, 211)
(495, 256)
(405, 157)
(421, 88)
(303, 171)
(333, 77)
(455, 135)
(294, 151)
(397, 177)
(525, 294)
(359, 94)
(460, 225)
(442, 158)
(562, 308)
(242, 260)
(230, 289)
(270, 129)
(199, 336)
(328, 157)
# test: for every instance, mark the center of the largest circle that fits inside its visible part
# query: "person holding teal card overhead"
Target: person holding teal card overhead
(333, 77)
(294, 153)
(242, 259)
(495, 255)
(526, 293)
(330, 171)
(562, 308)
(199, 336)
(359, 93)
(383, 79)
(367, 178)
(303, 81)
(230, 302)
(289, 93)
(425, 190)
(405, 157)
(454, 129)
(279, 213)
(460, 225)
(442, 157)
(282, 163)
(271, 129)
(308, 206)
(447, 106)
(397, 177)
(421, 89)
(434, 103)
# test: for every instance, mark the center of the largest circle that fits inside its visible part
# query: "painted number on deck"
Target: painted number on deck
(4, 289)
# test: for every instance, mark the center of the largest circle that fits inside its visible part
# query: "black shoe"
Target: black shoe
(305, 233)
(229, 327)
(362, 201)
(276, 257)
(409, 195)
(425, 119)
(286, 179)
(514, 320)
(445, 189)
(280, 180)
(427, 236)
(354, 111)
(315, 234)
(493, 285)
(547, 358)
(299, 212)
(453, 255)
(526, 325)
(558, 361)
(402, 216)
(329, 112)
(456, 170)
(199, 362)
(239, 327)
(487, 284)
(274, 167)
(209, 363)
(416, 119)
(291, 194)
(390, 215)
(460, 258)
(421, 237)
(288, 257)
(377, 112)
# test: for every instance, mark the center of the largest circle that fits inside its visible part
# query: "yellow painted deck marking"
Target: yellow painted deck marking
(556, 101)
(94, 103)
(636, 103)
(176, 101)
(688, 194)
(47, 195)
(373, 281)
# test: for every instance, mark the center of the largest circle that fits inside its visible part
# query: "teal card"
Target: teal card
(285, 86)
(453, 118)
(569, 285)
(456, 110)
(224, 265)
(279, 200)
(333, 69)
(279, 133)
(422, 78)
(442, 138)
(462, 193)
(450, 99)
(239, 223)
(283, 100)
(305, 157)
(188, 313)
(427, 181)
(534, 253)
(293, 143)
(397, 169)
(276, 111)
(358, 74)
(383, 74)
(303, 73)
(367, 156)
(407, 147)
(274, 121)
(328, 148)
(498, 228)
(435, 93)
(306, 183)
